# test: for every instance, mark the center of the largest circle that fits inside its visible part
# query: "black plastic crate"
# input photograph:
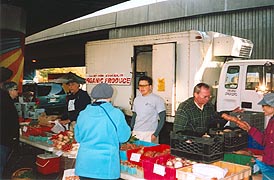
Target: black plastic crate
(255, 119)
(198, 157)
(235, 147)
(203, 149)
(234, 138)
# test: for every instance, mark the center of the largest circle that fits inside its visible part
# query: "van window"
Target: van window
(43, 90)
(269, 72)
(254, 76)
(260, 78)
(232, 77)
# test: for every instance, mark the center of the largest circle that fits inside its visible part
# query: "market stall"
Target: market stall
(182, 159)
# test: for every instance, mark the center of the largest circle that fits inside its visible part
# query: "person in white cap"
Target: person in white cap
(99, 130)
(265, 138)
(12, 88)
(77, 100)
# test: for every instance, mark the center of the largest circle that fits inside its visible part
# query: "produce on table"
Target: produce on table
(72, 178)
(206, 135)
(177, 162)
(47, 120)
(128, 164)
(153, 153)
(128, 146)
(64, 141)
(35, 130)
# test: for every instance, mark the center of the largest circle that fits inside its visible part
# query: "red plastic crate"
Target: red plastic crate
(137, 159)
(35, 131)
(123, 153)
(154, 167)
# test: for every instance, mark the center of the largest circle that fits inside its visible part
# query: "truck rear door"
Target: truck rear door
(163, 74)
(229, 90)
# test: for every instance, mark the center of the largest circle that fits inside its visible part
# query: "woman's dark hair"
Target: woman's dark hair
(145, 78)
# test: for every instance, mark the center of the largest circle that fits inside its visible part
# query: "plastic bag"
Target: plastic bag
(202, 170)
(267, 171)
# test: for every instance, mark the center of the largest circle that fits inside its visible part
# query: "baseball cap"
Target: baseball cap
(10, 86)
(268, 99)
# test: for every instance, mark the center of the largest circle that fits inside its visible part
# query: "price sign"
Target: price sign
(135, 157)
(59, 153)
(25, 128)
(159, 169)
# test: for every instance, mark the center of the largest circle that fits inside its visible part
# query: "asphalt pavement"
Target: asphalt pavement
(25, 157)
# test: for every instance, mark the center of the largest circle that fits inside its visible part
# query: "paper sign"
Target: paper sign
(161, 84)
(159, 169)
(110, 78)
(57, 127)
(25, 128)
(59, 153)
(135, 157)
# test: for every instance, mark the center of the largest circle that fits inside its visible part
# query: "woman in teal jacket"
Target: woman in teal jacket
(100, 128)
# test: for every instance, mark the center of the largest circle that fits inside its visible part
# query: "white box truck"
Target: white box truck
(177, 62)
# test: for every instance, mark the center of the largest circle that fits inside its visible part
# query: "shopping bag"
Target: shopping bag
(267, 171)
(57, 127)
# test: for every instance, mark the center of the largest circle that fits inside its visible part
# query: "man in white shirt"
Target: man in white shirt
(148, 108)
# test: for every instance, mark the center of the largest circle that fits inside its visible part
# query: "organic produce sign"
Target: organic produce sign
(112, 78)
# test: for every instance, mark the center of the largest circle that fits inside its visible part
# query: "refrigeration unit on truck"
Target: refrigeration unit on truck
(177, 62)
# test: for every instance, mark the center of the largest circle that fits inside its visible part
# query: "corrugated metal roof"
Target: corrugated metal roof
(255, 24)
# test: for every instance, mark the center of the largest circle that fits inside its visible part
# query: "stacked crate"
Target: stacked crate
(201, 149)
(254, 119)
(235, 139)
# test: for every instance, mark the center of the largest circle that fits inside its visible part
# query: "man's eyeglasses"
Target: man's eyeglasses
(206, 97)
